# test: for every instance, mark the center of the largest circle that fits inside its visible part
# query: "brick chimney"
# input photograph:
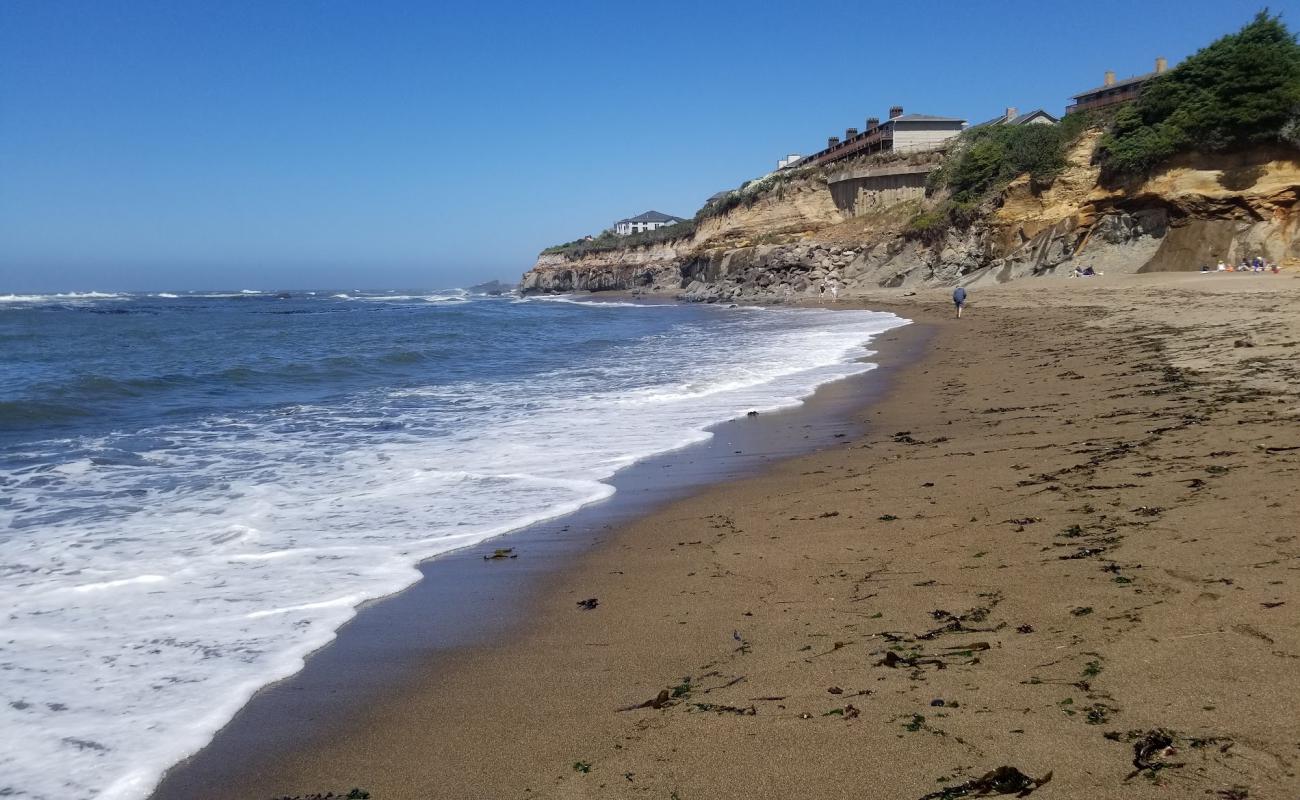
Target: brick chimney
(849, 133)
(1110, 78)
(1012, 113)
(895, 112)
(872, 123)
(831, 141)
(1161, 65)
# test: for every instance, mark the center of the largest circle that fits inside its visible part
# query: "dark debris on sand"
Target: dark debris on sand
(355, 794)
(1003, 780)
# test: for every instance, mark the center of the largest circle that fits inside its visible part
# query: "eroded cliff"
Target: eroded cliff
(792, 240)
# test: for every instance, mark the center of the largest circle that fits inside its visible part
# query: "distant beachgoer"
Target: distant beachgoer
(1205, 268)
(1274, 267)
(821, 293)
(959, 299)
(1088, 271)
(835, 292)
(1222, 268)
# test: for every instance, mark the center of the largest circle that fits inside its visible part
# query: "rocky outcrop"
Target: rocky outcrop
(644, 269)
(790, 242)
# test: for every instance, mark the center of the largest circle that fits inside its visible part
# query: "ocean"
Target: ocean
(198, 489)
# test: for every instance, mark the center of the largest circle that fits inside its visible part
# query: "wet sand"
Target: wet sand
(1065, 541)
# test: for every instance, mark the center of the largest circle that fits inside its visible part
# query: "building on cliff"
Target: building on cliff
(1013, 117)
(901, 133)
(1113, 92)
(649, 221)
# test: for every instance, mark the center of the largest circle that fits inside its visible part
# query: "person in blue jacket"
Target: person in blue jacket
(959, 299)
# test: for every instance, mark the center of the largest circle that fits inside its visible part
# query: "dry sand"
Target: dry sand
(1072, 523)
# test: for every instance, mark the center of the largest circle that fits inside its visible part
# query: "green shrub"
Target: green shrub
(928, 224)
(984, 160)
(1243, 89)
(987, 159)
(608, 240)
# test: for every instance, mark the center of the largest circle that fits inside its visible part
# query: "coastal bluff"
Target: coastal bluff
(787, 242)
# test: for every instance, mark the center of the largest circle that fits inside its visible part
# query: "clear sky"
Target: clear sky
(384, 143)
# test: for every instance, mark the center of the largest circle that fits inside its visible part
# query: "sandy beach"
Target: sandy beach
(1066, 544)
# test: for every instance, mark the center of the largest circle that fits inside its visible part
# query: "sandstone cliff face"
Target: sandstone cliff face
(791, 242)
(1195, 212)
(789, 213)
(794, 211)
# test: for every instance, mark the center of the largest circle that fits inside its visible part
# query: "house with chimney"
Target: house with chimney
(901, 133)
(649, 221)
(1113, 92)
(1013, 117)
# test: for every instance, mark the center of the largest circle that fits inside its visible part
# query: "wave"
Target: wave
(35, 414)
(574, 300)
(449, 296)
(194, 562)
(63, 297)
(433, 298)
(47, 403)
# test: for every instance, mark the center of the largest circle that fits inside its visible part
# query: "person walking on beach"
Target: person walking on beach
(835, 291)
(959, 299)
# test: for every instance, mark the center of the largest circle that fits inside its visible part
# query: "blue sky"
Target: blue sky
(381, 144)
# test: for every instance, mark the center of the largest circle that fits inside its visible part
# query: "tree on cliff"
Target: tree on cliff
(1243, 89)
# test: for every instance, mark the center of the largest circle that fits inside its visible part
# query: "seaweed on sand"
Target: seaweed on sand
(1003, 780)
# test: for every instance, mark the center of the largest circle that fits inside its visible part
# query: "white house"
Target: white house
(921, 131)
(649, 221)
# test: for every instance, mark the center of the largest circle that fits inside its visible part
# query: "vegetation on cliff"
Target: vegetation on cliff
(1243, 89)
(751, 192)
(986, 159)
(608, 240)
(746, 196)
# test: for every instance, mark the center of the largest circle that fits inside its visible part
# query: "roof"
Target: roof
(1118, 84)
(1020, 120)
(717, 196)
(1037, 112)
(922, 118)
(652, 216)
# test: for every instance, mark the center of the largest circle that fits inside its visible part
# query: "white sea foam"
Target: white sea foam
(137, 627)
(62, 297)
(584, 300)
(450, 296)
